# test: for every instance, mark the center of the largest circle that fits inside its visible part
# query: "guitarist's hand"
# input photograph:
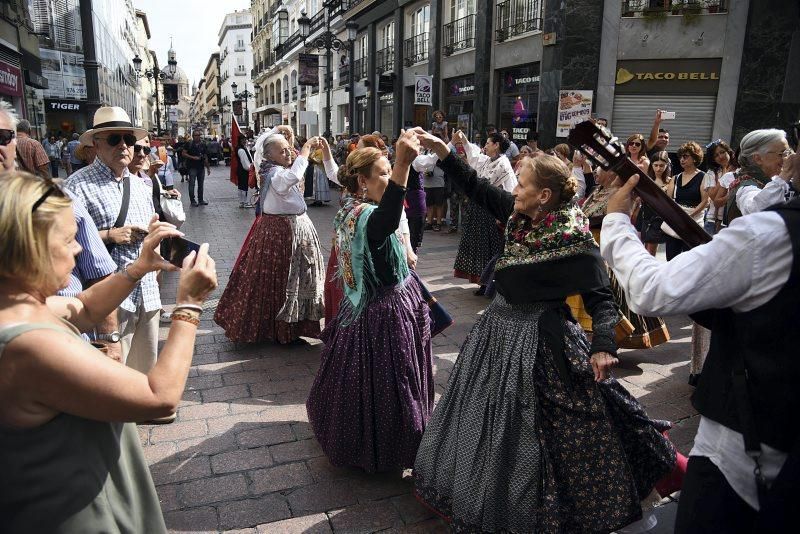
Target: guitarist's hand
(622, 200)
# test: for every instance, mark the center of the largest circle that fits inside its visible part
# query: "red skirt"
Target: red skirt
(334, 292)
(256, 290)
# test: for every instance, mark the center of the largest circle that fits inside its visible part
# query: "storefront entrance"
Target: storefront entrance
(459, 99)
(518, 101)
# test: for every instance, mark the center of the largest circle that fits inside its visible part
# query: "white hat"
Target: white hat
(109, 118)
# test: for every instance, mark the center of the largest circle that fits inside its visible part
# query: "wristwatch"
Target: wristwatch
(113, 337)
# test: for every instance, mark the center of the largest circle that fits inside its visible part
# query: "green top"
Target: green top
(74, 474)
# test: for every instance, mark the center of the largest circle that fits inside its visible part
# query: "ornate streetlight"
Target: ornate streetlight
(328, 42)
(244, 95)
(157, 75)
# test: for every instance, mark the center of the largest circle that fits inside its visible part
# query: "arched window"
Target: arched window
(279, 99)
(272, 93)
(294, 85)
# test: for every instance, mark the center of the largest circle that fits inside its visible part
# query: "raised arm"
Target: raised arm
(331, 168)
(651, 141)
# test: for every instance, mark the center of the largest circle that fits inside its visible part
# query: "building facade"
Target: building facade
(211, 95)
(236, 66)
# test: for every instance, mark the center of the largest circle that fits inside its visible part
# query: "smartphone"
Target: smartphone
(667, 115)
(178, 248)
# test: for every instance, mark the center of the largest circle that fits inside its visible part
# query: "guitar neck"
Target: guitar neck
(683, 225)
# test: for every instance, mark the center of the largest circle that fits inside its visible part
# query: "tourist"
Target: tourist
(722, 163)
(53, 149)
(195, 154)
(32, 156)
(374, 390)
(8, 137)
(686, 189)
(660, 171)
(634, 148)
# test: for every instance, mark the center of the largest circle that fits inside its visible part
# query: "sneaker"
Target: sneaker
(204, 202)
(194, 204)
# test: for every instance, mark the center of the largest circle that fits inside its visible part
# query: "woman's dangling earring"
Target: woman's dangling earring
(363, 193)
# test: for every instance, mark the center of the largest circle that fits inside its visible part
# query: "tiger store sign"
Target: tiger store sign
(686, 76)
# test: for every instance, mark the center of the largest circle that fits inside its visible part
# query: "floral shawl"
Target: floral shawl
(356, 269)
(562, 233)
(750, 175)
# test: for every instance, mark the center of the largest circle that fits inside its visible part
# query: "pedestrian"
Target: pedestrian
(122, 227)
(374, 391)
(659, 141)
(275, 291)
(634, 148)
(71, 458)
(65, 159)
(31, 154)
(8, 137)
(686, 189)
(435, 193)
(440, 124)
(512, 153)
(532, 427)
(182, 168)
(660, 171)
(722, 163)
(75, 163)
(197, 164)
(244, 164)
(53, 149)
(743, 468)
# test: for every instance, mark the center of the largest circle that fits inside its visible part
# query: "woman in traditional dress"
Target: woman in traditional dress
(532, 433)
(374, 389)
(481, 238)
(322, 192)
(275, 290)
(634, 331)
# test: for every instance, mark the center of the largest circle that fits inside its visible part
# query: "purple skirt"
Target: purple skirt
(374, 389)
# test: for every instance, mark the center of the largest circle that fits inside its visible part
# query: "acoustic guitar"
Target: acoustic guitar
(597, 144)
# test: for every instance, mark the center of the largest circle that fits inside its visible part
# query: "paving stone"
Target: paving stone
(295, 450)
(168, 497)
(308, 524)
(178, 431)
(252, 512)
(269, 434)
(322, 497)
(204, 382)
(203, 411)
(241, 460)
(214, 489)
(158, 452)
(431, 526)
(303, 431)
(370, 517)
(226, 393)
(281, 477)
(206, 446)
(195, 520)
(410, 509)
(180, 470)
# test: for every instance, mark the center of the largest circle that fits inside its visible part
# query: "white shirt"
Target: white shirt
(751, 199)
(743, 267)
(499, 171)
(577, 172)
(284, 196)
(244, 157)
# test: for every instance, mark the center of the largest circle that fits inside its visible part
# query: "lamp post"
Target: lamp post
(328, 42)
(244, 95)
(157, 75)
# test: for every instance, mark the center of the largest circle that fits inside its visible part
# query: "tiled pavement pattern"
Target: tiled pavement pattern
(241, 456)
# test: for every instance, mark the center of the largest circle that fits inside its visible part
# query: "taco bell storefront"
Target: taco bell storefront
(518, 101)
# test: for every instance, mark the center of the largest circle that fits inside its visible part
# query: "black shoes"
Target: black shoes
(194, 204)
(204, 203)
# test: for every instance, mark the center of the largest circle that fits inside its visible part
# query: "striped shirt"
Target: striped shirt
(94, 261)
(101, 191)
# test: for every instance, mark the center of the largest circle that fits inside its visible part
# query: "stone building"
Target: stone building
(236, 66)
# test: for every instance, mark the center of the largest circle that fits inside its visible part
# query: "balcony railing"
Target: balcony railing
(384, 60)
(416, 49)
(274, 9)
(459, 35)
(337, 7)
(662, 8)
(317, 22)
(515, 17)
(283, 48)
(360, 68)
(344, 75)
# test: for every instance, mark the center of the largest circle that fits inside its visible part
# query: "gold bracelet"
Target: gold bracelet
(182, 316)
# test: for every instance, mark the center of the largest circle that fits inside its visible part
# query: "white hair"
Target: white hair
(756, 142)
(10, 112)
(264, 141)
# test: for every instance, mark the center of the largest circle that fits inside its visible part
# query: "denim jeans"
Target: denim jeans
(198, 174)
(710, 227)
(54, 165)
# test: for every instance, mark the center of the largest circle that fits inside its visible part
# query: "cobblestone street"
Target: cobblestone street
(241, 456)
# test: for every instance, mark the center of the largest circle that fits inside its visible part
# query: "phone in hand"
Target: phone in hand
(667, 115)
(138, 234)
(178, 248)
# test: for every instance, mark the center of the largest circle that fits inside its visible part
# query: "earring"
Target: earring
(364, 193)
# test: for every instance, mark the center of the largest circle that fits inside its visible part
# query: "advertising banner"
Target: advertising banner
(10, 80)
(308, 73)
(574, 106)
(423, 90)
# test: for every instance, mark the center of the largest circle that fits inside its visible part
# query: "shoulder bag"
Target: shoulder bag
(171, 207)
(698, 217)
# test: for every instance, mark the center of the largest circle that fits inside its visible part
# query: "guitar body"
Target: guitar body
(605, 151)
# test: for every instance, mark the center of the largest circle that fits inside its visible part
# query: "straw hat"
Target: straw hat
(111, 118)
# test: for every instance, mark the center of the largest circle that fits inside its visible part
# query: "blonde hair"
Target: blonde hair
(360, 161)
(24, 246)
(553, 174)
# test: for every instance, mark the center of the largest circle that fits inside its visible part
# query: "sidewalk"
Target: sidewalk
(241, 456)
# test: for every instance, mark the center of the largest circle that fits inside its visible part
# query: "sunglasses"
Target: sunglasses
(6, 136)
(635, 143)
(114, 139)
(141, 148)
(52, 188)
(713, 143)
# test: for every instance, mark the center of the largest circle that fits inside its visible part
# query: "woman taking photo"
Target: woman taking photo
(275, 290)
(686, 189)
(660, 170)
(69, 451)
(634, 148)
(532, 433)
(374, 389)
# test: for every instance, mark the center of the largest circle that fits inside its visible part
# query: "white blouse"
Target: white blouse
(284, 196)
(499, 171)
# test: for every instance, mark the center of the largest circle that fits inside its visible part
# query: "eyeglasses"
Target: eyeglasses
(635, 143)
(114, 139)
(6, 136)
(53, 188)
(684, 156)
(784, 154)
(141, 148)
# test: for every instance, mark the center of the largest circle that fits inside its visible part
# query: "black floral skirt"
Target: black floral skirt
(511, 447)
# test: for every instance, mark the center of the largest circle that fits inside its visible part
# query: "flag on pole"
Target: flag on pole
(235, 133)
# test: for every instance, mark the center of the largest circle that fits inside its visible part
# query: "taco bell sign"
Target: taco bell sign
(423, 90)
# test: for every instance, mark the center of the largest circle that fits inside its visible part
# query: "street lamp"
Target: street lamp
(244, 95)
(328, 42)
(157, 75)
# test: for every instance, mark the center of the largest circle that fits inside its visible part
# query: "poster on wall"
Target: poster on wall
(423, 90)
(574, 106)
(308, 73)
(65, 75)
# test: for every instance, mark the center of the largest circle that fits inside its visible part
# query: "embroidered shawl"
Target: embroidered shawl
(561, 234)
(750, 175)
(356, 269)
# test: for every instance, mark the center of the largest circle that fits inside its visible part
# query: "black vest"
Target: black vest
(768, 338)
